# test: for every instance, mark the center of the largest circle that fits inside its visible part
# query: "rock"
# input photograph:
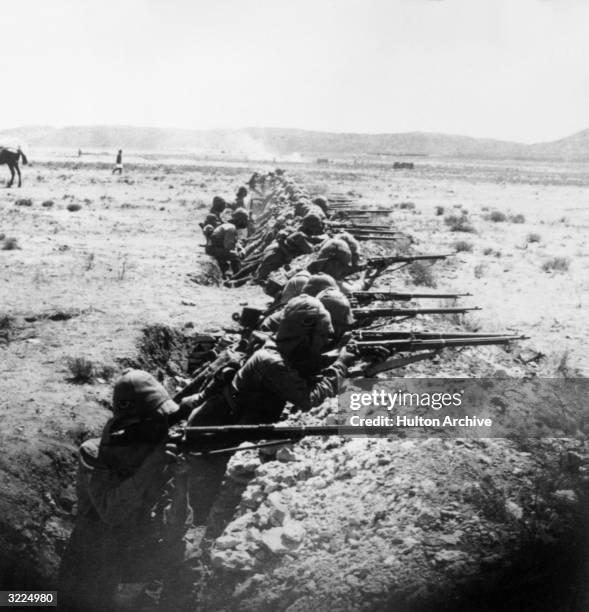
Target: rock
(513, 510)
(230, 540)
(252, 497)
(293, 533)
(232, 560)
(444, 557)
(566, 495)
(278, 510)
(285, 454)
(317, 482)
(272, 540)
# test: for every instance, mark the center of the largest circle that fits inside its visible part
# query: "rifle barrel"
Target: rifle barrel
(415, 345)
(392, 295)
(399, 335)
(406, 312)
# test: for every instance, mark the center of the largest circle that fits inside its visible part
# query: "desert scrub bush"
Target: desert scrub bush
(517, 219)
(479, 270)
(439, 211)
(10, 244)
(496, 216)
(533, 238)
(463, 246)
(407, 205)
(47, 203)
(421, 274)
(24, 202)
(2, 236)
(491, 251)
(458, 223)
(82, 370)
(557, 264)
(73, 207)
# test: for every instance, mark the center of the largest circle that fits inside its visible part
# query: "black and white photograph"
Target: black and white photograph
(293, 306)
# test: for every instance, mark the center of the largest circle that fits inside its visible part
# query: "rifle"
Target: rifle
(363, 314)
(432, 346)
(375, 266)
(206, 440)
(365, 297)
(421, 335)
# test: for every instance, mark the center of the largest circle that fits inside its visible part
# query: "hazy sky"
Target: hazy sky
(510, 69)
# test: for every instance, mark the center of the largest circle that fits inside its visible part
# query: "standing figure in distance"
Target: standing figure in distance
(118, 163)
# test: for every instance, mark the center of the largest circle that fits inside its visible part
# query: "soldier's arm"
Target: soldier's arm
(230, 239)
(288, 384)
(115, 501)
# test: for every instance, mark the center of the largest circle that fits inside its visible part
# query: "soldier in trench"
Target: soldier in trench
(132, 503)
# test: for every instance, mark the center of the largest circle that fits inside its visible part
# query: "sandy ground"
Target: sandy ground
(123, 261)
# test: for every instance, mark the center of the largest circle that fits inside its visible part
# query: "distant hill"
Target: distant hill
(266, 143)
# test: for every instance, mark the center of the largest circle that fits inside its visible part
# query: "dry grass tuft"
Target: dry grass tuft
(459, 223)
(463, 246)
(517, 219)
(82, 370)
(496, 217)
(556, 264)
(422, 274)
(533, 238)
(10, 244)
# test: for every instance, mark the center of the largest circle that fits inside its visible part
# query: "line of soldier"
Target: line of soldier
(138, 494)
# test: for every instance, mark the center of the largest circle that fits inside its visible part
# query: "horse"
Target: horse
(10, 157)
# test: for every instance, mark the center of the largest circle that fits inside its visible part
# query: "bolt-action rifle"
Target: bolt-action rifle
(366, 297)
(385, 350)
(374, 266)
(401, 314)
(223, 439)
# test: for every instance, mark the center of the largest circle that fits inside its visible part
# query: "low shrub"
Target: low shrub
(496, 216)
(458, 223)
(10, 244)
(463, 246)
(47, 203)
(557, 264)
(421, 274)
(82, 370)
(517, 219)
(24, 202)
(407, 205)
(73, 207)
(439, 210)
(533, 238)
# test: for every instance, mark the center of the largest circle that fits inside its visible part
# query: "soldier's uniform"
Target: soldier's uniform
(132, 510)
(222, 243)
(287, 371)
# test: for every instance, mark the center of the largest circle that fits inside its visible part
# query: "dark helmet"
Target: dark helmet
(304, 318)
(241, 192)
(317, 283)
(219, 205)
(312, 224)
(322, 203)
(138, 393)
(240, 217)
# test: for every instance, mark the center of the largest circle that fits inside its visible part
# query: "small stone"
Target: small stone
(293, 533)
(285, 454)
(272, 540)
(566, 495)
(227, 541)
(513, 510)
